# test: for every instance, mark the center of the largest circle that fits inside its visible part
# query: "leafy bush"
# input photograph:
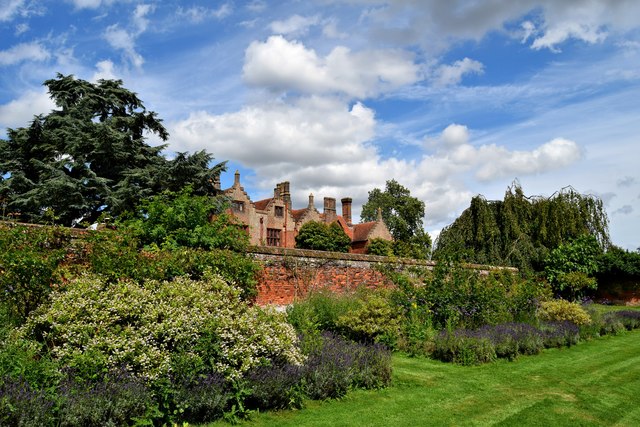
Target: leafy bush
(140, 326)
(462, 347)
(322, 237)
(561, 310)
(380, 247)
(115, 255)
(578, 256)
(173, 220)
(29, 259)
(320, 311)
(373, 318)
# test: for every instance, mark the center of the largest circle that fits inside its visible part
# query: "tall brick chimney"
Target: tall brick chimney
(329, 209)
(346, 209)
(311, 205)
(286, 194)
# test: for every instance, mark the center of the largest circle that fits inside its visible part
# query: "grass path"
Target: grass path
(594, 383)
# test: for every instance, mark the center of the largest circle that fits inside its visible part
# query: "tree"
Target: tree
(322, 237)
(403, 216)
(520, 231)
(89, 156)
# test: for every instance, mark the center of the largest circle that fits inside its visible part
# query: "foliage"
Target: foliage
(94, 327)
(184, 219)
(403, 215)
(115, 255)
(618, 271)
(337, 364)
(119, 399)
(380, 247)
(89, 157)
(520, 231)
(322, 237)
(569, 266)
(373, 319)
(320, 311)
(29, 260)
(562, 310)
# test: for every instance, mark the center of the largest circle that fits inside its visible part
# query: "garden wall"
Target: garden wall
(290, 274)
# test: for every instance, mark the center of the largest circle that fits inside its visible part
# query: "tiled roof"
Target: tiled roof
(298, 213)
(262, 204)
(361, 231)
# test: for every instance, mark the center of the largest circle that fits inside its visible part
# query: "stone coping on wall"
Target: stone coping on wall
(343, 256)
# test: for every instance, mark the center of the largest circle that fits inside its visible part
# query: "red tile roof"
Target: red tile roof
(262, 204)
(361, 231)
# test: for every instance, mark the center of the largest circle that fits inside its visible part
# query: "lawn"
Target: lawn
(594, 383)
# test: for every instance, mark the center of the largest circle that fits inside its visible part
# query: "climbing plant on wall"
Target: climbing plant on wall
(520, 231)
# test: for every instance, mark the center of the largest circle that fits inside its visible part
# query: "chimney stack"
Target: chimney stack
(346, 209)
(329, 209)
(311, 204)
(236, 179)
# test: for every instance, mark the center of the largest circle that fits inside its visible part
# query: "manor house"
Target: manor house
(272, 221)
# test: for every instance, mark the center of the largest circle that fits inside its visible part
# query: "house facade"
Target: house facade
(273, 222)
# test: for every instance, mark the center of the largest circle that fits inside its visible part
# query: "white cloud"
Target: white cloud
(447, 75)
(121, 39)
(33, 51)
(294, 25)
(256, 6)
(624, 210)
(105, 70)
(21, 29)
(434, 25)
(10, 8)
(19, 112)
(627, 181)
(499, 162)
(289, 66)
(197, 14)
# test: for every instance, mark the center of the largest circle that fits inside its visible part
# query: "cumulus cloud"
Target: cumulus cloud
(19, 112)
(447, 75)
(434, 25)
(104, 70)
(33, 51)
(294, 25)
(284, 65)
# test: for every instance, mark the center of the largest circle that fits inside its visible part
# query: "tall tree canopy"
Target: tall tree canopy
(89, 156)
(403, 215)
(520, 231)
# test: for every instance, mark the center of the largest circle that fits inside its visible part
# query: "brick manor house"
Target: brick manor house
(272, 221)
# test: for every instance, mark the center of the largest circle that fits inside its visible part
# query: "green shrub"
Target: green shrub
(578, 256)
(141, 326)
(461, 348)
(380, 247)
(373, 319)
(322, 237)
(29, 259)
(320, 311)
(561, 310)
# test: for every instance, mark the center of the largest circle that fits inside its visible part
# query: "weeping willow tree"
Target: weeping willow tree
(520, 231)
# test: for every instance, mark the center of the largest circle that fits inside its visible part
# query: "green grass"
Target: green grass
(594, 383)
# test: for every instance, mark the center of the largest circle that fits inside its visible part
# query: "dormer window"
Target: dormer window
(279, 211)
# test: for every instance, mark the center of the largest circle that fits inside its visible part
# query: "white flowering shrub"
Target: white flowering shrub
(147, 327)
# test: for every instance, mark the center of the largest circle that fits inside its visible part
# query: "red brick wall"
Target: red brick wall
(289, 274)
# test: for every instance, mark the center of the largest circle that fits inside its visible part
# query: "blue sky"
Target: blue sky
(451, 99)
